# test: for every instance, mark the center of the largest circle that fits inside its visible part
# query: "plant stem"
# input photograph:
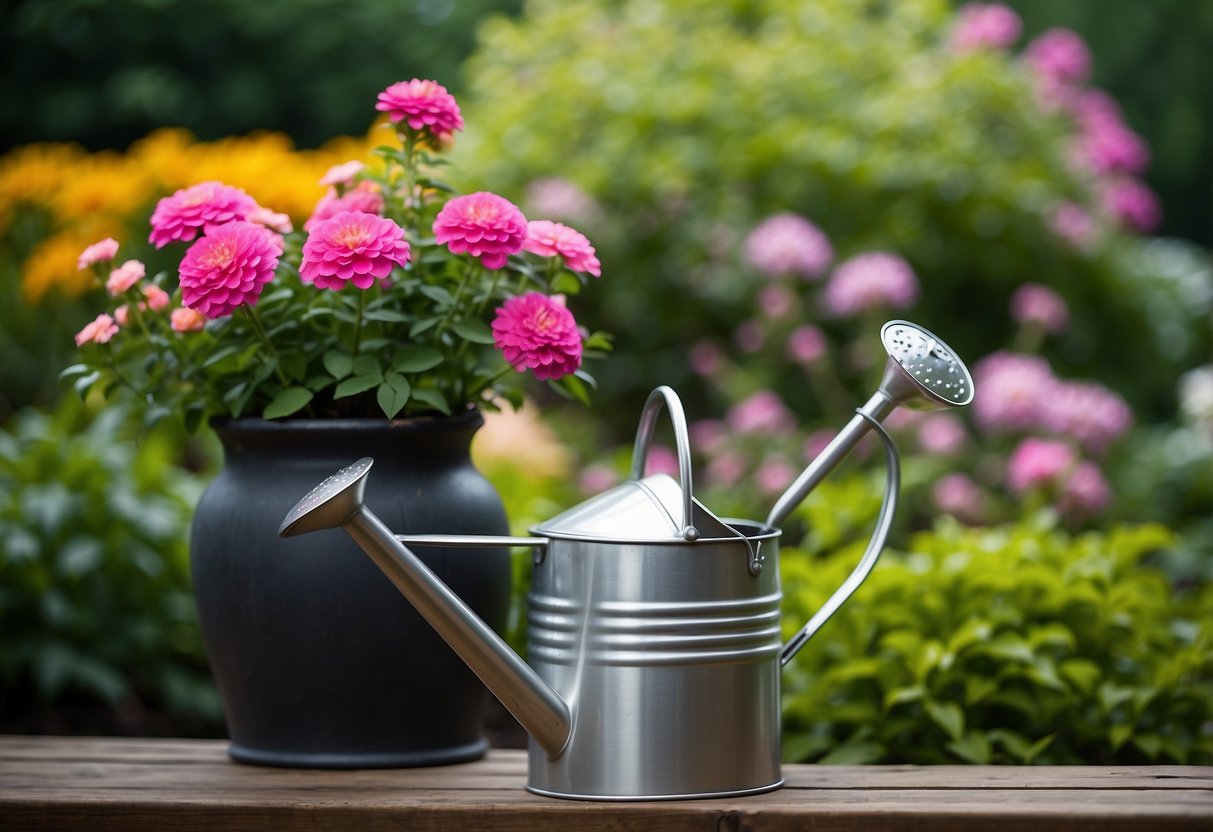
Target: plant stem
(255, 320)
(446, 319)
(358, 324)
(488, 382)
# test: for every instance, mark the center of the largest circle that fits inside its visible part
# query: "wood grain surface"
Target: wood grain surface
(71, 783)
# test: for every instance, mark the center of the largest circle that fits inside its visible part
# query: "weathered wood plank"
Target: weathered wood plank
(102, 784)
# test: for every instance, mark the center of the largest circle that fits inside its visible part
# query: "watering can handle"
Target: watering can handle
(875, 545)
(644, 436)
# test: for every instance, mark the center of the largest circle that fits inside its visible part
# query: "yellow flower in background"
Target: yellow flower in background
(30, 175)
(105, 183)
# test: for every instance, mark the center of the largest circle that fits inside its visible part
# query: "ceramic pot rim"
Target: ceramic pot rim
(470, 418)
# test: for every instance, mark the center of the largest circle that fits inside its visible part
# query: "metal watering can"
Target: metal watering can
(653, 625)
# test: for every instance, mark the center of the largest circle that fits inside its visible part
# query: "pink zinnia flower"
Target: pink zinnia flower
(340, 176)
(1011, 391)
(1132, 204)
(228, 267)
(1087, 412)
(100, 252)
(553, 239)
(774, 475)
(1073, 224)
(124, 277)
(156, 297)
(273, 220)
(1037, 305)
(184, 319)
(483, 225)
(423, 105)
(352, 247)
(984, 25)
(364, 198)
(806, 345)
(788, 244)
(538, 333)
(97, 331)
(184, 214)
(942, 433)
(1036, 463)
(726, 468)
(877, 280)
(763, 412)
(1059, 55)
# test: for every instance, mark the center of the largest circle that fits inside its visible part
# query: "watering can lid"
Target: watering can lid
(648, 509)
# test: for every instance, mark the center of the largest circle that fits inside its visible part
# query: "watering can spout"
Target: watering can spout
(338, 502)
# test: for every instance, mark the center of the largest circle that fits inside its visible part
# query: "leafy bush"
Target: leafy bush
(100, 630)
(1013, 644)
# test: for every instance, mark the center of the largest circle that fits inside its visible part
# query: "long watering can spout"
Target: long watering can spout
(338, 502)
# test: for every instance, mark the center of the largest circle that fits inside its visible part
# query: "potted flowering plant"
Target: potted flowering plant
(381, 329)
(398, 297)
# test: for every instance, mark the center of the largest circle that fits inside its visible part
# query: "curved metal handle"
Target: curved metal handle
(884, 522)
(682, 440)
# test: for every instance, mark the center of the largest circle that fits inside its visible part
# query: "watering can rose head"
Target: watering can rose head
(398, 296)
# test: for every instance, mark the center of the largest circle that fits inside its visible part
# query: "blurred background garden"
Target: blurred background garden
(766, 182)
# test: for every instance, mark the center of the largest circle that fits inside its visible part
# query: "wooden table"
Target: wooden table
(100, 784)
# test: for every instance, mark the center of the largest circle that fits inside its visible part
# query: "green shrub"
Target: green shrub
(100, 629)
(1014, 644)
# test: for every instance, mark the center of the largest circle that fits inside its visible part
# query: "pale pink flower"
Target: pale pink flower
(959, 496)
(352, 247)
(773, 476)
(707, 435)
(364, 198)
(156, 298)
(1037, 462)
(816, 442)
(776, 301)
(1011, 390)
(763, 412)
(726, 468)
(984, 26)
(788, 244)
(184, 319)
(1087, 412)
(876, 280)
(538, 333)
(271, 219)
(184, 214)
(484, 225)
(942, 433)
(1059, 55)
(706, 358)
(340, 176)
(228, 268)
(99, 252)
(97, 331)
(553, 239)
(425, 106)
(122, 315)
(749, 336)
(1085, 492)
(661, 460)
(1073, 224)
(595, 479)
(557, 197)
(124, 277)
(1035, 305)
(806, 345)
(1132, 204)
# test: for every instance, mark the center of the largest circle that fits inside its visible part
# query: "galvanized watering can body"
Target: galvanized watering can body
(654, 626)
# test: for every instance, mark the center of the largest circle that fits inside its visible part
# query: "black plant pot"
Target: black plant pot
(320, 662)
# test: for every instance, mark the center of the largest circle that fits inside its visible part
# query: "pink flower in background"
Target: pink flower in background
(984, 26)
(184, 319)
(876, 280)
(97, 331)
(774, 475)
(1085, 492)
(1073, 224)
(1035, 305)
(942, 433)
(1011, 390)
(1087, 412)
(422, 105)
(1105, 143)
(155, 297)
(806, 345)
(556, 197)
(352, 247)
(726, 468)
(661, 460)
(538, 333)
(706, 358)
(99, 252)
(707, 435)
(1059, 55)
(273, 220)
(595, 479)
(228, 268)
(1036, 463)
(816, 442)
(749, 336)
(959, 496)
(553, 239)
(363, 198)
(124, 277)
(763, 412)
(788, 244)
(776, 301)
(483, 225)
(1132, 204)
(340, 176)
(184, 214)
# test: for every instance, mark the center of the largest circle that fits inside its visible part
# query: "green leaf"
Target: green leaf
(1119, 734)
(947, 715)
(575, 387)
(972, 748)
(474, 330)
(899, 696)
(393, 394)
(74, 370)
(434, 399)
(416, 360)
(423, 325)
(356, 385)
(437, 294)
(289, 401)
(85, 382)
(386, 315)
(368, 365)
(338, 364)
(859, 752)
